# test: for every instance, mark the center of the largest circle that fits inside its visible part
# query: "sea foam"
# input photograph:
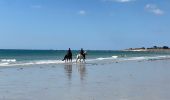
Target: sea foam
(8, 60)
(14, 62)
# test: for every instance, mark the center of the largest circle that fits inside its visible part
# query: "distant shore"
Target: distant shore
(154, 49)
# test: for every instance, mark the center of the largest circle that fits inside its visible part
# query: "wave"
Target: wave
(145, 58)
(31, 63)
(140, 58)
(37, 62)
(105, 58)
(8, 60)
(14, 62)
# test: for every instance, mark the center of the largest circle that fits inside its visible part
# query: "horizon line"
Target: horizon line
(63, 49)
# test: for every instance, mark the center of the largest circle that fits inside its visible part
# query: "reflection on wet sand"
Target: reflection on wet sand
(68, 70)
(80, 67)
(82, 70)
(70, 81)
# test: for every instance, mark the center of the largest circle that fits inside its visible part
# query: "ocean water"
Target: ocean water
(33, 57)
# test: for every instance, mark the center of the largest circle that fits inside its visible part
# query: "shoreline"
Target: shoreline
(105, 61)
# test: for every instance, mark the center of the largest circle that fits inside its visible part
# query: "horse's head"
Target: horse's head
(85, 52)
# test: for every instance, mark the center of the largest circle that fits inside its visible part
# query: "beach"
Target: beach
(85, 50)
(130, 80)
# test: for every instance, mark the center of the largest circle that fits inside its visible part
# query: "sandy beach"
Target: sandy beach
(84, 50)
(132, 80)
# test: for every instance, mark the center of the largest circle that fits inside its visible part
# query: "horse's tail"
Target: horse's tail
(64, 57)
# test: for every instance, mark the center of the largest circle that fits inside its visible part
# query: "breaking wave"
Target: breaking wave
(8, 60)
(14, 62)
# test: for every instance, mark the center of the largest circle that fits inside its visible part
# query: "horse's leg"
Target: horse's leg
(83, 60)
(69, 58)
(64, 58)
(77, 58)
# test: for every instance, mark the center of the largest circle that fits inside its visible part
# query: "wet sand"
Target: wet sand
(147, 80)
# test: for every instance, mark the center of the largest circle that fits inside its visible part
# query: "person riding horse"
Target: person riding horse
(68, 56)
(81, 56)
(83, 53)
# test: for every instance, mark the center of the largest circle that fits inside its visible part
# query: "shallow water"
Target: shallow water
(37, 57)
(148, 80)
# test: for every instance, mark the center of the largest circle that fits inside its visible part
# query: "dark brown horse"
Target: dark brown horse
(67, 58)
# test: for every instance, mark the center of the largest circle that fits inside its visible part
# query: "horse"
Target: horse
(80, 57)
(67, 58)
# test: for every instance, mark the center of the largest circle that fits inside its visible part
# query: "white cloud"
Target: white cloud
(82, 12)
(120, 1)
(154, 9)
(36, 6)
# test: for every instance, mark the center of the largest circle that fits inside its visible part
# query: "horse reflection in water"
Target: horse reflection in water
(81, 68)
(68, 70)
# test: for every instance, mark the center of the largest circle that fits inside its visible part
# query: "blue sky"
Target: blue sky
(88, 24)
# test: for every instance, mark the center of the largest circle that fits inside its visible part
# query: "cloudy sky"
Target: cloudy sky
(88, 24)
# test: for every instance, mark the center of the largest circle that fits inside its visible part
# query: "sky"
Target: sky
(88, 24)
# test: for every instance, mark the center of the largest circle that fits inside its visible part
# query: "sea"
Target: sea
(10, 57)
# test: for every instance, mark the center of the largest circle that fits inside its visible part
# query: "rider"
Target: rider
(82, 53)
(69, 53)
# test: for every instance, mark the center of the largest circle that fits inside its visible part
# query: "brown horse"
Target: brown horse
(67, 58)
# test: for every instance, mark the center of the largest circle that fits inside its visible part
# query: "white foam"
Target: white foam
(107, 58)
(8, 60)
(4, 64)
(115, 57)
(13, 62)
(101, 58)
(38, 62)
(143, 58)
(159, 57)
(135, 58)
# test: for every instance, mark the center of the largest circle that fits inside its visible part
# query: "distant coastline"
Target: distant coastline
(154, 49)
